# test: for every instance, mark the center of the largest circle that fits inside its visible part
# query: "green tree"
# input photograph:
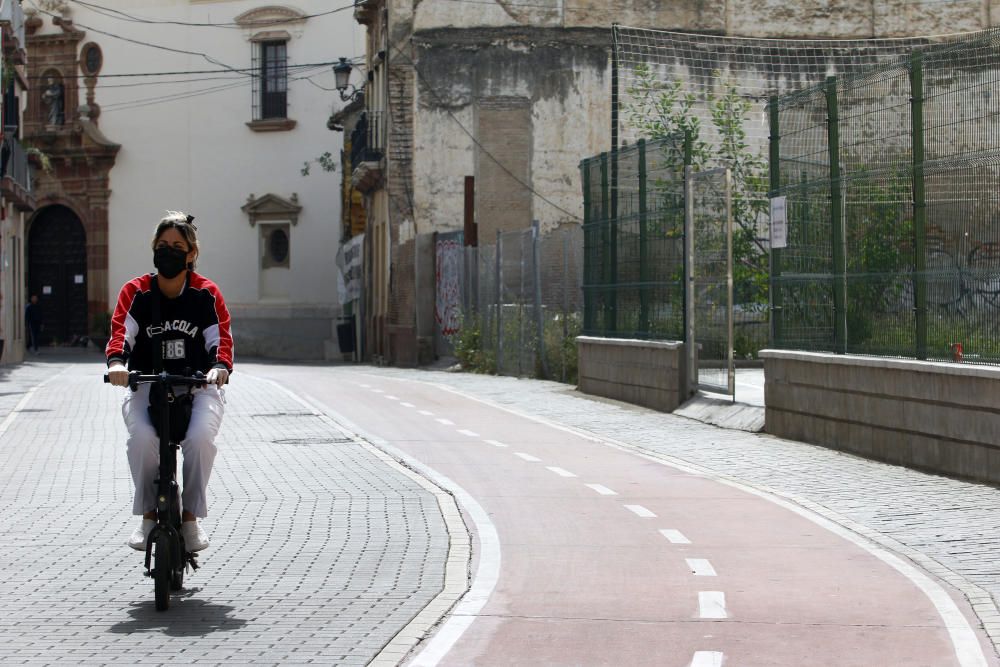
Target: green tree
(662, 111)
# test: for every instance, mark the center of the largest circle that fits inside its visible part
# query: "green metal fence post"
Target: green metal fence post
(919, 202)
(612, 298)
(605, 239)
(498, 276)
(588, 252)
(685, 297)
(775, 186)
(643, 245)
(836, 220)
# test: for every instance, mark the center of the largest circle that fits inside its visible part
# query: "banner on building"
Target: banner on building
(350, 273)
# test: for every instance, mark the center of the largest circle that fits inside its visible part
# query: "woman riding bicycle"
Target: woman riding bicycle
(194, 334)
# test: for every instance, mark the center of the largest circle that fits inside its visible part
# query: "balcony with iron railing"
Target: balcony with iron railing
(12, 24)
(367, 150)
(15, 172)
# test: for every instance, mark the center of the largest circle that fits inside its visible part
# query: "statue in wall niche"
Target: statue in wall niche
(52, 97)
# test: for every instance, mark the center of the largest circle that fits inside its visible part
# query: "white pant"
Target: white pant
(198, 448)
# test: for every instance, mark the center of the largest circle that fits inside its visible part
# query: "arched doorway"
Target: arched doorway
(57, 273)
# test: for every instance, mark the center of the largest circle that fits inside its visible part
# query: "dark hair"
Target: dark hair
(184, 224)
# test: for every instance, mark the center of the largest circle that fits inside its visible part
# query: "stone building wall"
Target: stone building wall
(843, 19)
(481, 70)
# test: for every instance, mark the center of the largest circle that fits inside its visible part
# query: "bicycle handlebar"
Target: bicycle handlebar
(135, 378)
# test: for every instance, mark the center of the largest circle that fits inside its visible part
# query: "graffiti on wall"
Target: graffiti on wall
(448, 302)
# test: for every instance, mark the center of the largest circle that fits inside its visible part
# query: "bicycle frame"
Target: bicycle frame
(168, 511)
(168, 514)
(169, 567)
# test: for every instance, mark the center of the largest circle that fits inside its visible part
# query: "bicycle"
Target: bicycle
(166, 557)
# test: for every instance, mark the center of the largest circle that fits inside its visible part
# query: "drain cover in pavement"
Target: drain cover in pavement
(285, 414)
(312, 441)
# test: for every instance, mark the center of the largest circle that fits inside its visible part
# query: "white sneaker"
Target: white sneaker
(195, 538)
(138, 539)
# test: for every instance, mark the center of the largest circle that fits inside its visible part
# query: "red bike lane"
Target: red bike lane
(609, 558)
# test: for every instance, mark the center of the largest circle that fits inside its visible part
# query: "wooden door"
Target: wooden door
(57, 273)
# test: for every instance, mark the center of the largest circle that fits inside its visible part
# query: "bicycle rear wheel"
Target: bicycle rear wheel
(162, 569)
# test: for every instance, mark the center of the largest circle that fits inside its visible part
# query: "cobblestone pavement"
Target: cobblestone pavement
(321, 552)
(951, 528)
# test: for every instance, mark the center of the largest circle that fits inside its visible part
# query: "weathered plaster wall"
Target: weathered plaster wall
(750, 18)
(854, 18)
(563, 77)
(692, 14)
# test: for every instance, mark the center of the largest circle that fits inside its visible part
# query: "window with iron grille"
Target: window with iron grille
(270, 82)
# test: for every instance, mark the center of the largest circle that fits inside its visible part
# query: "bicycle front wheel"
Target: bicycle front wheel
(177, 578)
(162, 570)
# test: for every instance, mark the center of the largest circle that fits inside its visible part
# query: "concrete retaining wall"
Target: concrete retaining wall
(938, 417)
(642, 372)
(296, 332)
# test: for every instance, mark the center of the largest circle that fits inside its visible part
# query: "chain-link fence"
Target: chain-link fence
(891, 183)
(521, 304)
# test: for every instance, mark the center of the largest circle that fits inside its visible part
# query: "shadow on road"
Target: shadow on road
(188, 616)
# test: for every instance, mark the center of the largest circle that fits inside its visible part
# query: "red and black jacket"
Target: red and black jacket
(196, 334)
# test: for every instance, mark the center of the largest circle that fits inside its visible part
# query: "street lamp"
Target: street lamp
(342, 74)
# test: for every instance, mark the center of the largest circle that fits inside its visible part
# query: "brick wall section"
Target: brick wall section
(401, 331)
(504, 130)
(401, 327)
(399, 168)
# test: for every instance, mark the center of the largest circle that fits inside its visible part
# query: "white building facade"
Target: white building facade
(215, 108)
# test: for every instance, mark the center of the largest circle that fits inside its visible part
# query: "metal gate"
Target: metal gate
(708, 225)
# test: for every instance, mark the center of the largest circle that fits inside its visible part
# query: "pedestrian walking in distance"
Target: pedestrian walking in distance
(33, 322)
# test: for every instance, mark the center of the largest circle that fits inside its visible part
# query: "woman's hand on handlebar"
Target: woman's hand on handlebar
(118, 375)
(217, 376)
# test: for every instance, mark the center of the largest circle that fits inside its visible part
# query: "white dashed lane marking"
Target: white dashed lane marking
(707, 659)
(700, 567)
(639, 510)
(675, 536)
(561, 472)
(446, 422)
(471, 434)
(495, 443)
(428, 413)
(526, 457)
(408, 405)
(603, 490)
(391, 398)
(712, 604)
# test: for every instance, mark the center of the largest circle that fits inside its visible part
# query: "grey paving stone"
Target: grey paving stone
(320, 552)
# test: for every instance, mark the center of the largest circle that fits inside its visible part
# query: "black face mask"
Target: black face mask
(169, 261)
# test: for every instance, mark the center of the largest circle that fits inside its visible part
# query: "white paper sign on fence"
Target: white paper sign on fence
(779, 223)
